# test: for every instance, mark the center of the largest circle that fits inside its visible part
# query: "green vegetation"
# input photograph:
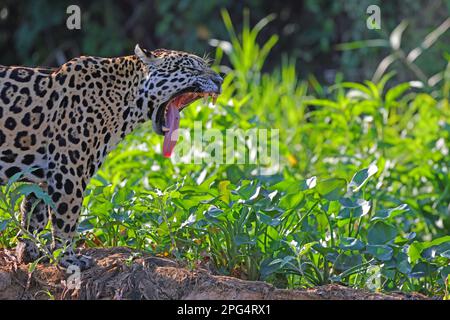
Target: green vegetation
(361, 198)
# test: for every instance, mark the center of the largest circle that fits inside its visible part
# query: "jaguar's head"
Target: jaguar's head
(175, 79)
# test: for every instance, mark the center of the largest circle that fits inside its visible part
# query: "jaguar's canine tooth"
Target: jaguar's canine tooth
(214, 99)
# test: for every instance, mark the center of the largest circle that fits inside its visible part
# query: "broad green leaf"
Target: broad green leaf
(85, 225)
(214, 212)
(381, 233)
(390, 213)
(122, 195)
(241, 239)
(402, 263)
(355, 209)
(225, 194)
(269, 266)
(361, 177)
(4, 224)
(234, 173)
(422, 269)
(381, 252)
(189, 221)
(344, 262)
(291, 201)
(288, 186)
(332, 189)
(248, 190)
(26, 189)
(282, 262)
(268, 220)
(351, 244)
(306, 248)
(416, 248)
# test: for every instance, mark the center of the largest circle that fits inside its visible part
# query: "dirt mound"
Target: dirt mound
(120, 273)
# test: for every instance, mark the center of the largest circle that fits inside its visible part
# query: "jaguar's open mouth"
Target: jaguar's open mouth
(168, 122)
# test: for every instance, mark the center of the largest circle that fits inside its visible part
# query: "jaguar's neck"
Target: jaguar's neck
(135, 107)
(107, 97)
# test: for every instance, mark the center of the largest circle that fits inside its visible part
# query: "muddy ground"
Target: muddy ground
(118, 276)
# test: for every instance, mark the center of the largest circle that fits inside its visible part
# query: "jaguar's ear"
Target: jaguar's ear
(145, 56)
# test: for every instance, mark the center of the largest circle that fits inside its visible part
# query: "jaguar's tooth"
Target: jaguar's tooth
(214, 99)
(165, 129)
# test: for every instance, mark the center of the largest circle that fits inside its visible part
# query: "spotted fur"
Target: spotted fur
(61, 123)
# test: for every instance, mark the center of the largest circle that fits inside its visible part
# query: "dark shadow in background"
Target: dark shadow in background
(35, 33)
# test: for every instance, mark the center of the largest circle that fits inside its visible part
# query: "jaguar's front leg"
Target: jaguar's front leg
(67, 197)
(34, 219)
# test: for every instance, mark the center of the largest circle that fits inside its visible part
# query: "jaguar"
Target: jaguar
(57, 125)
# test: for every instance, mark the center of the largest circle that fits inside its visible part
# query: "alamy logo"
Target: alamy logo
(73, 21)
(74, 279)
(373, 282)
(234, 146)
(374, 20)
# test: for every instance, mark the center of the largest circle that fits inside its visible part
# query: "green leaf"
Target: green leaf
(381, 233)
(402, 263)
(234, 173)
(269, 266)
(241, 239)
(366, 93)
(344, 262)
(445, 254)
(85, 225)
(33, 266)
(306, 248)
(361, 177)
(122, 195)
(332, 189)
(422, 269)
(355, 209)
(381, 252)
(416, 248)
(26, 189)
(248, 190)
(291, 201)
(288, 186)
(213, 212)
(4, 224)
(282, 262)
(225, 194)
(414, 251)
(351, 244)
(390, 213)
(396, 92)
(273, 222)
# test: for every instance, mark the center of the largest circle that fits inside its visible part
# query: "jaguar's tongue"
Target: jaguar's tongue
(173, 123)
